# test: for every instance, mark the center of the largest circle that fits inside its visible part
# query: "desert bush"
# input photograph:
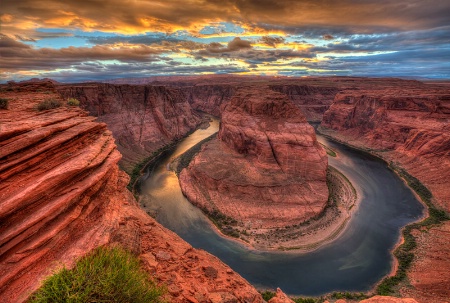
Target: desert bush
(106, 275)
(73, 102)
(48, 104)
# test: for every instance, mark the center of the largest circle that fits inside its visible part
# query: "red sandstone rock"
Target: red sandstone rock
(266, 169)
(430, 274)
(383, 299)
(280, 297)
(141, 118)
(410, 127)
(312, 100)
(62, 195)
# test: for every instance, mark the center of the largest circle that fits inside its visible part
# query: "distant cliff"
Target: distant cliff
(142, 118)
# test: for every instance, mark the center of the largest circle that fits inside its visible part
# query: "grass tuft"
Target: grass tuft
(105, 275)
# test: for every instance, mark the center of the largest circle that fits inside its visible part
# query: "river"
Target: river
(355, 261)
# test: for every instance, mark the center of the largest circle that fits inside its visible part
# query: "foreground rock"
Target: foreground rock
(410, 128)
(142, 118)
(265, 171)
(62, 195)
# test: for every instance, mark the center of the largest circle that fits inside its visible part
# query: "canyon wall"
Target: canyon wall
(409, 127)
(313, 101)
(142, 118)
(62, 195)
(265, 170)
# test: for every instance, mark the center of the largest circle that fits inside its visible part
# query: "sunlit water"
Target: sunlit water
(355, 261)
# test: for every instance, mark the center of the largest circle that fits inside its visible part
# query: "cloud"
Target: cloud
(328, 37)
(234, 45)
(20, 56)
(272, 41)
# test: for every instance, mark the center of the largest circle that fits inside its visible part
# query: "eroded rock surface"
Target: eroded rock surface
(62, 195)
(265, 170)
(142, 118)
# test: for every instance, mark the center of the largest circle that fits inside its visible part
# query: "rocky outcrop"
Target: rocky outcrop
(265, 171)
(280, 297)
(142, 118)
(62, 195)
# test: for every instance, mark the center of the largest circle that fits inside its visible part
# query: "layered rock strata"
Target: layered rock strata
(142, 118)
(62, 195)
(411, 128)
(312, 100)
(265, 170)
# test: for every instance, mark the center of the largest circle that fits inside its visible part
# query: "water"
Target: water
(355, 261)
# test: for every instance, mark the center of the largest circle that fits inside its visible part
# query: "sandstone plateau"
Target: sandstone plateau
(409, 128)
(265, 170)
(62, 195)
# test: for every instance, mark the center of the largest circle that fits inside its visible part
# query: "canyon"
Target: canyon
(62, 193)
(264, 171)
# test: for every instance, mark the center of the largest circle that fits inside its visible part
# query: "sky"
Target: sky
(95, 40)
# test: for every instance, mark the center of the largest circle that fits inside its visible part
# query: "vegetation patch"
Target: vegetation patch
(48, 104)
(73, 102)
(4, 103)
(105, 275)
(329, 151)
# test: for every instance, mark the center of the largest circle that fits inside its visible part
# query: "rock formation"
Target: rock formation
(266, 170)
(410, 128)
(312, 100)
(210, 97)
(142, 118)
(62, 195)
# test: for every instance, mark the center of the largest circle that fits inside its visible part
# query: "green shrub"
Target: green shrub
(267, 295)
(73, 102)
(4, 103)
(106, 275)
(48, 104)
